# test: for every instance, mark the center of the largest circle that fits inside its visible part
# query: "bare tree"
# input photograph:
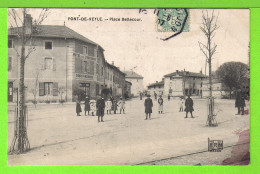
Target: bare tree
(209, 27)
(22, 28)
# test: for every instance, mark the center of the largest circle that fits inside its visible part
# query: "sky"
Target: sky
(137, 44)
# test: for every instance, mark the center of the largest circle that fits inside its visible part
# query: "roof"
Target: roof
(55, 31)
(188, 74)
(128, 82)
(161, 83)
(132, 74)
(114, 67)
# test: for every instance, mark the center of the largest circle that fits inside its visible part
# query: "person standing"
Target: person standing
(181, 104)
(108, 106)
(148, 104)
(189, 106)
(100, 109)
(155, 95)
(92, 106)
(114, 106)
(169, 97)
(160, 102)
(78, 107)
(87, 105)
(141, 95)
(121, 104)
(240, 103)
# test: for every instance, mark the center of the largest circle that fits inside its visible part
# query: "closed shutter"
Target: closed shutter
(53, 64)
(41, 89)
(55, 89)
(9, 63)
(92, 68)
(82, 66)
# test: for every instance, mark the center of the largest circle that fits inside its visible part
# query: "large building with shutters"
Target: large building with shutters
(63, 64)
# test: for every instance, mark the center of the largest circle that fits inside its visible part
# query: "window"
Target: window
(10, 43)
(48, 63)
(48, 88)
(102, 71)
(85, 66)
(97, 69)
(85, 50)
(48, 45)
(9, 63)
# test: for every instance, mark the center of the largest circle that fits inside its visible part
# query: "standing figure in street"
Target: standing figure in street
(121, 104)
(148, 104)
(160, 102)
(108, 106)
(240, 103)
(100, 109)
(155, 95)
(78, 107)
(114, 106)
(87, 105)
(141, 95)
(169, 97)
(189, 106)
(92, 106)
(181, 104)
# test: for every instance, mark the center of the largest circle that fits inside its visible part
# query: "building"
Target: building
(219, 90)
(157, 88)
(128, 86)
(183, 82)
(136, 80)
(64, 64)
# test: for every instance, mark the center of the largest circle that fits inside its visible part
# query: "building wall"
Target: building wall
(157, 89)
(137, 85)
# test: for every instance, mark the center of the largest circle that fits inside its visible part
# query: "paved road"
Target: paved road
(58, 137)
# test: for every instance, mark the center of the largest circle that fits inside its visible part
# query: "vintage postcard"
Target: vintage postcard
(128, 86)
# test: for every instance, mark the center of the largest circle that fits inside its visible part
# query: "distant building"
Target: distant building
(137, 82)
(218, 89)
(157, 88)
(128, 86)
(183, 82)
(63, 59)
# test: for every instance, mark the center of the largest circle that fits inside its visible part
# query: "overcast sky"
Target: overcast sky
(138, 44)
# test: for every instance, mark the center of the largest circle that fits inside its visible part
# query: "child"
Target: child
(181, 104)
(160, 102)
(92, 106)
(87, 105)
(108, 105)
(121, 104)
(114, 106)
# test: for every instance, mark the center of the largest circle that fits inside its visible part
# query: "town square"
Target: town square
(156, 87)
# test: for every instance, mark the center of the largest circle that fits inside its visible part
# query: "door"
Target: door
(10, 92)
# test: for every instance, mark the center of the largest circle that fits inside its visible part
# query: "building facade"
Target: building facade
(63, 65)
(183, 83)
(137, 82)
(157, 88)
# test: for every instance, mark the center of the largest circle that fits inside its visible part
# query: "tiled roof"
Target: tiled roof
(161, 83)
(132, 74)
(55, 31)
(188, 74)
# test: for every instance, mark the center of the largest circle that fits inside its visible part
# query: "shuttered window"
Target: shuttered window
(55, 89)
(9, 63)
(41, 89)
(91, 68)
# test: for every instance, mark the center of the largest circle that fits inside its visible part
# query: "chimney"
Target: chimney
(112, 62)
(28, 24)
(177, 71)
(156, 81)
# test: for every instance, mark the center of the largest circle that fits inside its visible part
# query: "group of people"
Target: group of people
(148, 104)
(99, 106)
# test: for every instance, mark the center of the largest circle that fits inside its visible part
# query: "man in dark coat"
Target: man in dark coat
(87, 105)
(240, 103)
(100, 108)
(78, 107)
(148, 104)
(189, 106)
